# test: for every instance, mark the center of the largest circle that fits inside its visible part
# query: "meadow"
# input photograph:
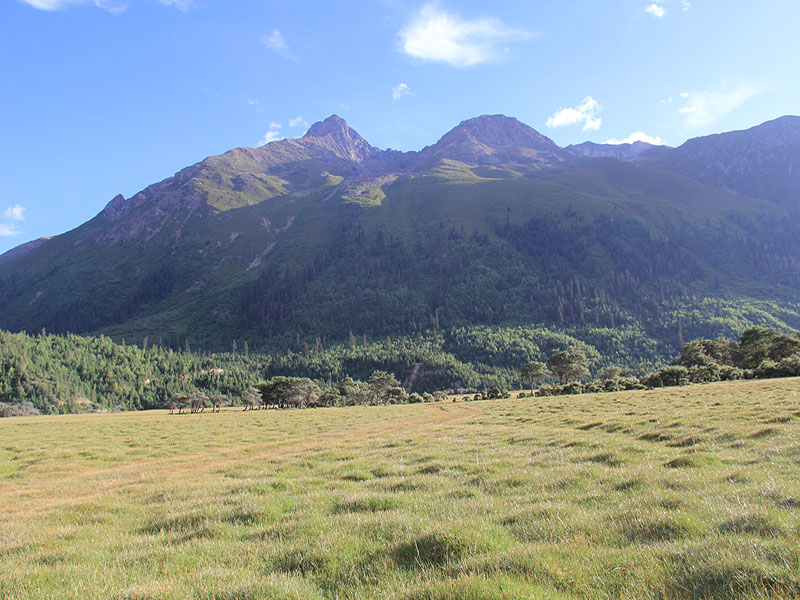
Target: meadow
(689, 492)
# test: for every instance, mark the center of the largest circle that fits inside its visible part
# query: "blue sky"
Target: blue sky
(101, 97)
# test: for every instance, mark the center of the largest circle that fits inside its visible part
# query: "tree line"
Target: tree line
(59, 374)
(759, 353)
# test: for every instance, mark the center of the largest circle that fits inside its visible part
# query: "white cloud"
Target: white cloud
(656, 10)
(7, 230)
(252, 101)
(298, 121)
(667, 100)
(272, 135)
(400, 90)
(686, 5)
(15, 213)
(684, 94)
(439, 36)
(276, 42)
(704, 108)
(274, 125)
(638, 136)
(584, 113)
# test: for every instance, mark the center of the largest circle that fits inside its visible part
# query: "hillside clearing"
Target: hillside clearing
(679, 493)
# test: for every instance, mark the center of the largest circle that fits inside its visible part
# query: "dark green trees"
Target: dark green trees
(382, 382)
(569, 365)
(532, 372)
(289, 392)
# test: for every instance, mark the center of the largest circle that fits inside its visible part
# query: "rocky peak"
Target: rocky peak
(492, 138)
(115, 209)
(337, 136)
(501, 132)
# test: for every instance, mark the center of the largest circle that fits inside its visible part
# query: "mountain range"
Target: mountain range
(628, 249)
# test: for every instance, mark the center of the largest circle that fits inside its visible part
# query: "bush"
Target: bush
(704, 373)
(630, 383)
(572, 388)
(786, 367)
(728, 373)
(19, 409)
(653, 380)
(674, 375)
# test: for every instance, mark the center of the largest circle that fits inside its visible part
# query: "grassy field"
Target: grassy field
(681, 493)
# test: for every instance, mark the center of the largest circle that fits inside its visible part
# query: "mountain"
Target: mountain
(492, 236)
(633, 151)
(762, 162)
(21, 250)
(493, 141)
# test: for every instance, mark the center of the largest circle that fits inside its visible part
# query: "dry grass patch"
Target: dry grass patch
(654, 495)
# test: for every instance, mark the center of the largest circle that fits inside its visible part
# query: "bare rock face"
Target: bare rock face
(335, 135)
(117, 208)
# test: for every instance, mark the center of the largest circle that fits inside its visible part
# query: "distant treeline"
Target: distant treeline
(48, 374)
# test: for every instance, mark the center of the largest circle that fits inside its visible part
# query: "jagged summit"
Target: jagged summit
(332, 125)
(336, 135)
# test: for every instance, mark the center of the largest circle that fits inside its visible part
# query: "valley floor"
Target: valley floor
(687, 492)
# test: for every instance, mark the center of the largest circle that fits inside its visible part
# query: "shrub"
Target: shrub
(704, 373)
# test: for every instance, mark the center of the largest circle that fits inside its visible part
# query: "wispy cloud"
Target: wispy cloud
(658, 11)
(638, 136)
(15, 213)
(400, 90)
(704, 108)
(273, 135)
(181, 5)
(440, 36)
(584, 113)
(277, 43)
(298, 121)
(8, 230)
(113, 6)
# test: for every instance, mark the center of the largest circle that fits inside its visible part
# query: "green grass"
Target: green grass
(677, 493)
(364, 196)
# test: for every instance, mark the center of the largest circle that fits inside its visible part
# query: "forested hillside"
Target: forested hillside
(318, 241)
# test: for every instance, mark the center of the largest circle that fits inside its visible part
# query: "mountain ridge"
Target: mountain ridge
(494, 225)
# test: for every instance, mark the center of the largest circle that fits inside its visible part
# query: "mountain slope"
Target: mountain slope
(762, 162)
(325, 237)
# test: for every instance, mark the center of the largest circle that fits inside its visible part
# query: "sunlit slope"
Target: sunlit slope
(494, 225)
